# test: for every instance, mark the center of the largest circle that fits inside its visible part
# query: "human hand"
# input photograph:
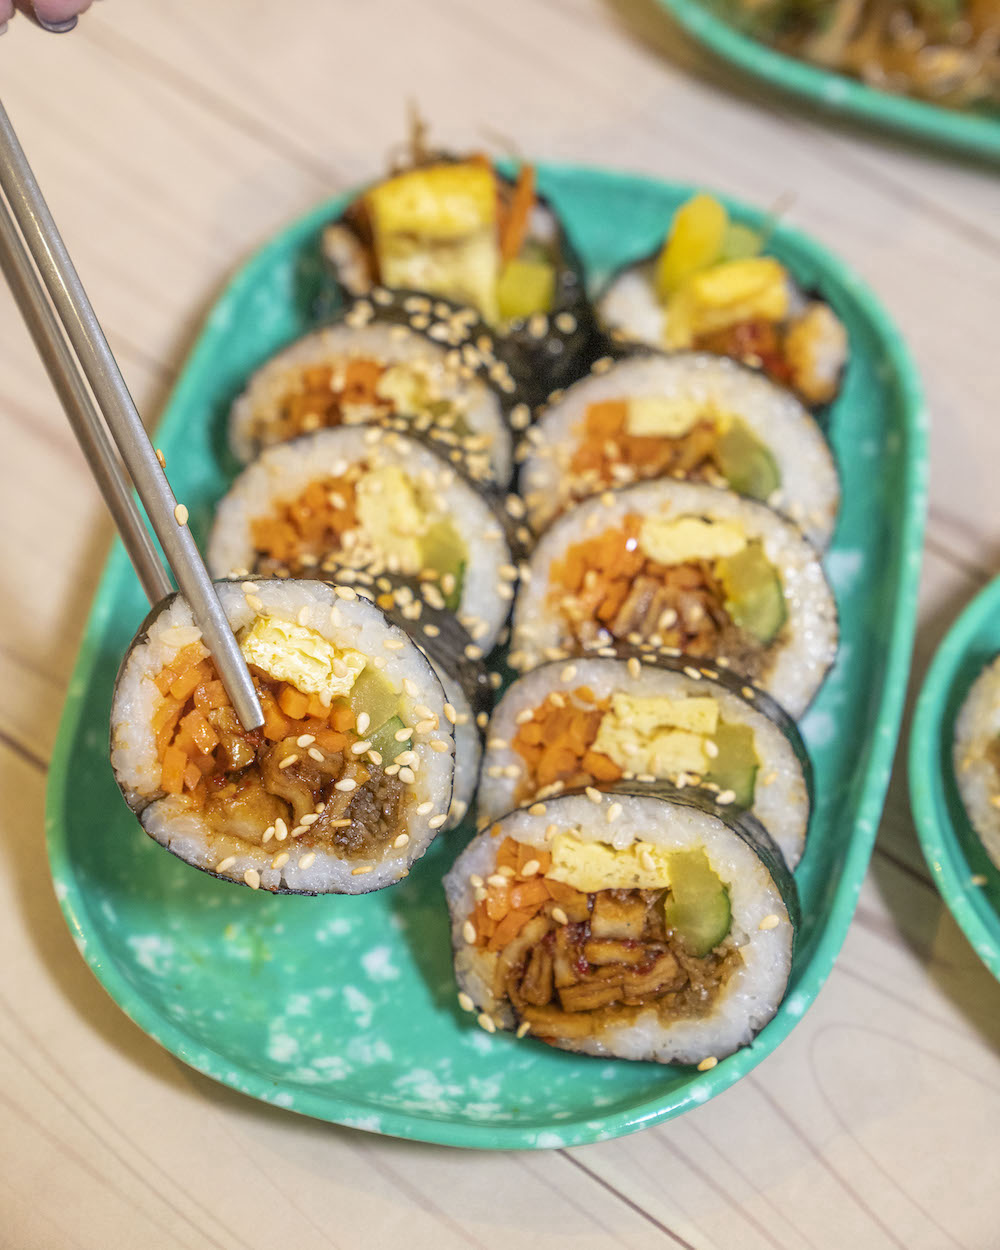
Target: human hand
(54, 15)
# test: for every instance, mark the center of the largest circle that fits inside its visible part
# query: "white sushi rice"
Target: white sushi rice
(347, 623)
(256, 412)
(754, 988)
(976, 729)
(781, 795)
(283, 472)
(794, 665)
(809, 492)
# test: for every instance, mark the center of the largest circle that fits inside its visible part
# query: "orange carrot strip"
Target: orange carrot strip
(172, 775)
(192, 775)
(497, 902)
(201, 731)
(515, 226)
(507, 854)
(330, 740)
(508, 929)
(341, 717)
(529, 895)
(209, 695)
(293, 702)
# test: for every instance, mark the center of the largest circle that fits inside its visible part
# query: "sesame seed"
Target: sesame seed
(225, 864)
(530, 868)
(310, 819)
(289, 760)
(364, 720)
(392, 770)
(465, 1002)
(316, 754)
(568, 673)
(469, 932)
(711, 749)
(614, 811)
(280, 830)
(482, 719)
(725, 797)
(537, 809)
(450, 713)
(181, 514)
(523, 1029)
(693, 673)
(647, 861)
(438, 745)
(708, 1064)
(551, 830)
(393, 644)
(346, 785)
(523, 717)
(360, 872)
(977, 879)
(770, 922)
(498, 744)
(280, 860)
(254, 604)
(486, 1022)
(359, 748)
(305, 740)
(268, 835)
(252, 878)
(345, 592)
(770, 779)
(162, 458)
(593, 794)
(559, 916)
(401, 841)
(498, 880)
(425, 807)
(747, 692)
(472, 652)
(436, 822)
(407, 775)
(425, 726)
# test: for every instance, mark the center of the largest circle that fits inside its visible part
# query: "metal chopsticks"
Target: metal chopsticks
(80, 326)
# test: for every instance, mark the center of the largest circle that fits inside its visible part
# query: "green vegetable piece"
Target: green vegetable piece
(735, 767)
(746, 463)
(741, 242)
(697, 906)
(373, 694)
(526, 287)
(754, 595)
(384, 741)
(443, 550)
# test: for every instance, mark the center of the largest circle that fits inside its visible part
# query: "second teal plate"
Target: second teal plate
(964, 130)
(953, 851)
(345, 1008)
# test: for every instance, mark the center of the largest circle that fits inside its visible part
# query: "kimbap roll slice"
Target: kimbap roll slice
(378, 365)
(686, 568)
(623, 925)
(460, 230)
(462, 673)
(599, 721)
(347, 782)
(976, 756)
(711, 288)
(374, 501)
(691, 417)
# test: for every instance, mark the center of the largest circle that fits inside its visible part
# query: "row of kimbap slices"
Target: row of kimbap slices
(645, 794)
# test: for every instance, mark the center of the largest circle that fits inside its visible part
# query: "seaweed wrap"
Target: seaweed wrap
(976, 755)
(377, 502)
(685, 568)
(597, 721)
(347, 782)
(711, 288)
(692, 417)
(380, 363)
(461, 230)
(637, 926)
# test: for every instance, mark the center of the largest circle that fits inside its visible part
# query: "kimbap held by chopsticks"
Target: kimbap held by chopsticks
(94, 357)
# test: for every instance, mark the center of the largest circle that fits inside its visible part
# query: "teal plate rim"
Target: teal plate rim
(870, 789)
(950, 128)
(950, 845)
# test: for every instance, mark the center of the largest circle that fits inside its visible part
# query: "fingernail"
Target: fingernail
(56, 28)
(3, 28)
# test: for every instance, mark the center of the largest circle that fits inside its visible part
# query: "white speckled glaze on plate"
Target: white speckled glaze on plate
(345, 1008)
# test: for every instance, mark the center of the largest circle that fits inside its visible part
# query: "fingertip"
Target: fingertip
(57, 11)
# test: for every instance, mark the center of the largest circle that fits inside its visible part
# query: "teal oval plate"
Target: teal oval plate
(963, 130)
(345, 1008)
(951, 847)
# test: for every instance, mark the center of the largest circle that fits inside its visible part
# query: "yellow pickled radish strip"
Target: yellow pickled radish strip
(695, 241)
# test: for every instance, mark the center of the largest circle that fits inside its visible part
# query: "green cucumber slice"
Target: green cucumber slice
(697, 905)
(383, 740)
(754, 595)
(735, 767)
(746, 463)
(444, 551)
(373, 694)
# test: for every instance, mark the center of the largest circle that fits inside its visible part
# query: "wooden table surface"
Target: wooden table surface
(171, 138)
